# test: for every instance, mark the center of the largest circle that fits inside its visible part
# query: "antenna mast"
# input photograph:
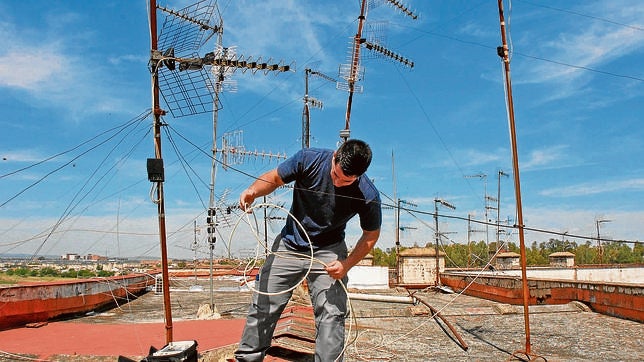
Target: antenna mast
(503, 52)
(352, 72)
(189, 89)
(438, 235)
(157, 178)
(306, 113)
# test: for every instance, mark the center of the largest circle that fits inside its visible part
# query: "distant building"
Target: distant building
(508, 260)
(367, 260)
(417, 266)
(562, 259)
(71, 257)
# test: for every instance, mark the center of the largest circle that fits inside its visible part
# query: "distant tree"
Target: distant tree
(456, 255)
(537, 254)
(23, 272)
(586, 254)
(49, 272)
(104, 273)
(384, 258)
(513, 248)
(478, 254)
(638, 252)
(70, 273)
(618, 253)
(85, 273)
(557, 245)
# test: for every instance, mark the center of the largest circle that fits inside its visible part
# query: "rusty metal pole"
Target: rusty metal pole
(158, 112)
(437, 314)
(306, 114)
(355, 65)
(503, 53)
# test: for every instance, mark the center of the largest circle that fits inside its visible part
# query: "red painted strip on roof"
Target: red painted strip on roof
(117, 339)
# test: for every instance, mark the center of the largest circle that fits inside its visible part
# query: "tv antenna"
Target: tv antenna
(470, 231)
(438, 234)
(181, 76)
(352, 72)
(310, 101)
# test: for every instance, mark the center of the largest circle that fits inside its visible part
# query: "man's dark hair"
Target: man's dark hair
(353, 157)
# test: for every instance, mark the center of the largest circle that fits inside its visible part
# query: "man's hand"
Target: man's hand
(337, 269)
(263, 186)
(246, 199)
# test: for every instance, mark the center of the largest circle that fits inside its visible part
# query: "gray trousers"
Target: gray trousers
(328, 297)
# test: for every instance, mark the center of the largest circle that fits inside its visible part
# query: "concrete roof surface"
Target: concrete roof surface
(386, 331)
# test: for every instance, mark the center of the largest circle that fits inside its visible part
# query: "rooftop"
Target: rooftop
(390, 331)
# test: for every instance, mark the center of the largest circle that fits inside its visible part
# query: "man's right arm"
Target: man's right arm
(263, 186)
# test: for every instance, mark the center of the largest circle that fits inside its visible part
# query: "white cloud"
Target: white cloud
(26, 155)
(544, 158)
(477, 157)
(623, 225)
(597, 187)
(30, 69)
(55, 72)
(592, 46)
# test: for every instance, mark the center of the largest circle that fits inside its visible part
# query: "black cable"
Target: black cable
(582, 14)
(69, 207)
(139, 117)
(185, 166)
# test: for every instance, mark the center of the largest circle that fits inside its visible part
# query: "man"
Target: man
(329, 189)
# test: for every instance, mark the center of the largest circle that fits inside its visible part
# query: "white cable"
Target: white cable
(288, 255)
(292, 255)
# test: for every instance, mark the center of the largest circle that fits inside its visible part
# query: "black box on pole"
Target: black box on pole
(155, 170)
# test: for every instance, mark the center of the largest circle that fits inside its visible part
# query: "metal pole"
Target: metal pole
(355, 61)
(265, 230)
(599, 244)
(469, 243)
(306, 118)
(158, 112)
(437, 236)
(212, 203)
(498, 207)
(498, 210)
(503, 53)
(599, 241)
(436, 314)
(446, 204)
(194, 245)
(397, 226)
(397, 236)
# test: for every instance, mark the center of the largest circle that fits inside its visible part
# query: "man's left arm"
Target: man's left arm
(339, 268)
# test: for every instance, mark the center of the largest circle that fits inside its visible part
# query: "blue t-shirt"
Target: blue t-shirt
(321, 208)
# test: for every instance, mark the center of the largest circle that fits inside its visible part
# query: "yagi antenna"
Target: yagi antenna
(186, 81)
(352, 72)
(310, 102)
(190, 84)
(234, 152)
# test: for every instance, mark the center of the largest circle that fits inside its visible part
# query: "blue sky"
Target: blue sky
(74, 80)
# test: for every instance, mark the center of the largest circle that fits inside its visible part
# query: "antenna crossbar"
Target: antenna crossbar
(388, 53)
(235, 63)
(322, 75)
(405, 10)
(203, 25)
(233, 151)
